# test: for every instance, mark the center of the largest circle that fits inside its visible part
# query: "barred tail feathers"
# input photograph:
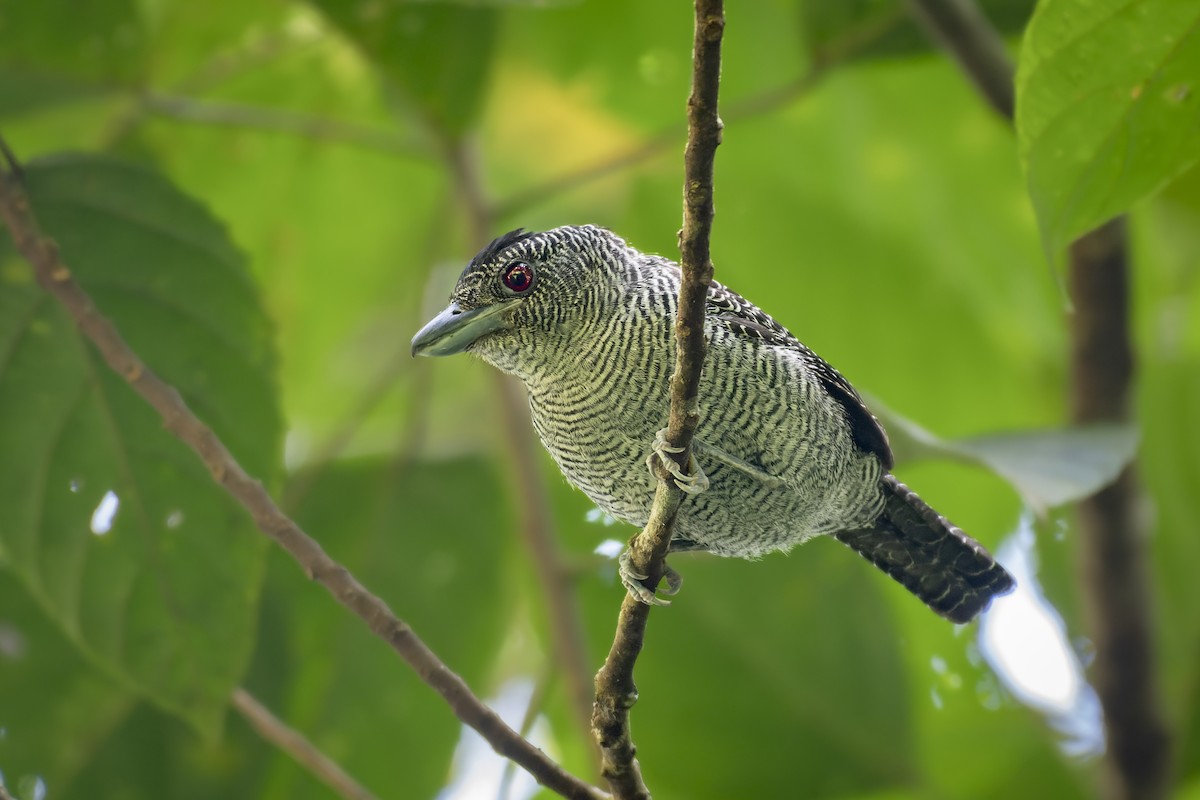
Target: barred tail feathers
(946, 569)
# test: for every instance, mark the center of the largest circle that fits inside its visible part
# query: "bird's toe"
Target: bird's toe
(634, 582)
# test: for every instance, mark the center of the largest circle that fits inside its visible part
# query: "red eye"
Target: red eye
(518, 277)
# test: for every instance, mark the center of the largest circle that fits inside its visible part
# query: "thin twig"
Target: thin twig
(535, 520)
(211, 74)
(615, 688)
(661, 143)
(278, 120)
(1113, 554)
(667, 139)
(412, 436)
(56, 278)
(537, 701)
(302, 751)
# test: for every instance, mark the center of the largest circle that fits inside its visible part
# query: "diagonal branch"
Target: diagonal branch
(615, 688)
(1114, 568)
(668, 139)
(55, 277)
(278, 120)
(962, 29)
(299, 748)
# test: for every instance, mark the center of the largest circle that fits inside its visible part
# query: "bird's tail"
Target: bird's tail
(948, 570)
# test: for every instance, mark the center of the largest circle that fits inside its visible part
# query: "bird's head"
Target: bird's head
(523, 295)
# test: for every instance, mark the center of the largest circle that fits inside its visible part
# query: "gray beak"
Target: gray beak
(454, 330)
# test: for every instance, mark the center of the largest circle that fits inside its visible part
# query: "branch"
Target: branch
(1112, 555)
(667, 139)
(412, 436)
(55, 277)
(302, 751)
(962, 29)
(1113, 559)
(615, 688)
(275, 120)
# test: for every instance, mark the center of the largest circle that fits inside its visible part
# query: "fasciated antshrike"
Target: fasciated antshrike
(785, 449)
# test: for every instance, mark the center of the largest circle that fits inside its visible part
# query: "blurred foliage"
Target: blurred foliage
(880, 212)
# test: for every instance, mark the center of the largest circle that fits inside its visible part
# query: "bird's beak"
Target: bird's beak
(454, 330)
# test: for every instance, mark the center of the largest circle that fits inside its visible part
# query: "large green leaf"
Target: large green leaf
(1108, 107)
(1047, 467)
(113, 525)
(57, 708)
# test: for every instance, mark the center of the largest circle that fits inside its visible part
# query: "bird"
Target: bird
(785, 449)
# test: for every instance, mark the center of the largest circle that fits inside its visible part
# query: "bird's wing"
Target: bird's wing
(745, 319)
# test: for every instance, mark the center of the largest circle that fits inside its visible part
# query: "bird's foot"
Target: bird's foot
(634, 582)
(694, 483)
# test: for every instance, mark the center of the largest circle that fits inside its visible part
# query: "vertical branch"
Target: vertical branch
(1114, 574)
(615, 688)
(1113, 559)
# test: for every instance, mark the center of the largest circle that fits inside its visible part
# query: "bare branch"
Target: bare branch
(667, 139)
(1113, 558)
(658, 144)
(55, 277)
(302, 751)
(962, 29)
(615, 688)
(277, 120)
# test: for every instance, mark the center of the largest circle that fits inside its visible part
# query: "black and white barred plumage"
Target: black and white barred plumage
(788, 446)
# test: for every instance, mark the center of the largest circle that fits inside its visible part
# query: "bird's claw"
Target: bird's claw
(634, 582)
(694, 483)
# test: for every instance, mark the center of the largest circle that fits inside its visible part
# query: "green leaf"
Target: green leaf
(1048, 468)
(57, 709)
(1108, 107)
(163, 592)
(436, 54)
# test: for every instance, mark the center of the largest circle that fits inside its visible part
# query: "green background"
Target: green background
(267, 198)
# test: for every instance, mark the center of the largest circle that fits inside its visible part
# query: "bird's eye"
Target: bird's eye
(517, 277)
